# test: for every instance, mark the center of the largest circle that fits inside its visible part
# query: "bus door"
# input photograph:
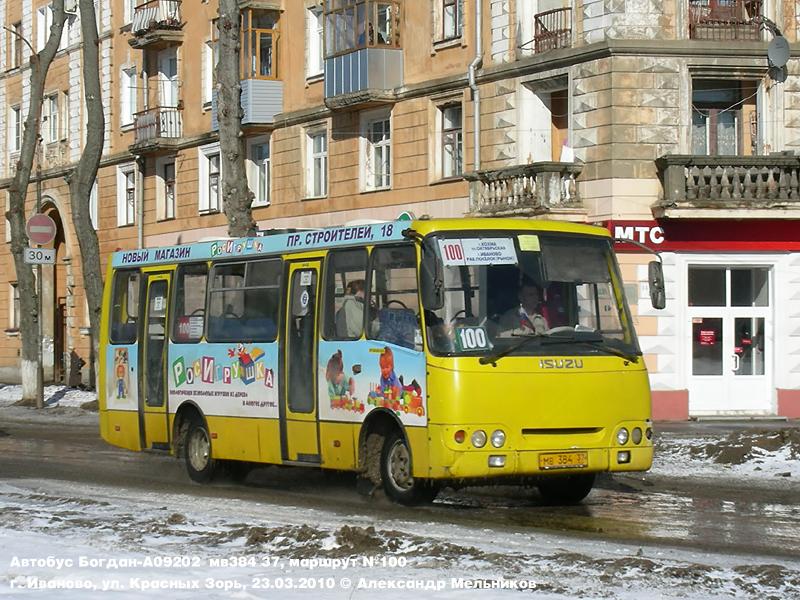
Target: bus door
(298, 408)
(153, 428)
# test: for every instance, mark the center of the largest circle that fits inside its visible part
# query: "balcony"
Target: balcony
(729, 186)
(724, 20)
(364, 55)
(526, 190)
(552, 30)
(157, 24)
(159, 128)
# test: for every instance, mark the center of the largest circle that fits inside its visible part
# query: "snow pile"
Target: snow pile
(743, 454)
(54, 395)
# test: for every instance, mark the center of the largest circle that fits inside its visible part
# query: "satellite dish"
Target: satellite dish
(778, 51)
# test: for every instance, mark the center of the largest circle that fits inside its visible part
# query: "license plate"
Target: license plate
(564, 460)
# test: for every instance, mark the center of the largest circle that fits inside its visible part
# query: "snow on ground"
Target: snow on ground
(62, 535)
(54, 395)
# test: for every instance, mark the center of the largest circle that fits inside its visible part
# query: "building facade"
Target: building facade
(664, 121)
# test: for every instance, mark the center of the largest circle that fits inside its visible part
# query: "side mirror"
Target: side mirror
(431, 277)
(655, 276)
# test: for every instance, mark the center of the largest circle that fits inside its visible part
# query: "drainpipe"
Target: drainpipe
(139, 194)
(476, 93)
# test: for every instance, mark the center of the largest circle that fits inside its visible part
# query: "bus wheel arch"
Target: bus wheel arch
(193, 440)
(378, 425)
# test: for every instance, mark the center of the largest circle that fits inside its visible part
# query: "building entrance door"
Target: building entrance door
(731, 340)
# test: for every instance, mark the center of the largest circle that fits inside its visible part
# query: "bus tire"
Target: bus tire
(398, 483)
(566, 489)
(197, 450)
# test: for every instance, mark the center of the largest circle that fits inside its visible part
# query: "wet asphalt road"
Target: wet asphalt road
(732, 517)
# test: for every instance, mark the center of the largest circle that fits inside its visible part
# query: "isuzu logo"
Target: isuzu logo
(560, 363)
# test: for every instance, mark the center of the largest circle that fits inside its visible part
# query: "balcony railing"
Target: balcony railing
(158, 124)
(730, 182)
(721, 20)
(552, 29)
(157, 14)
(525, 189)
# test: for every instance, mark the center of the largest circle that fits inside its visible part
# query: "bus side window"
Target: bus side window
(226, 302)
(393, 292)
(124, 308)
(190, 303)
(343, 301)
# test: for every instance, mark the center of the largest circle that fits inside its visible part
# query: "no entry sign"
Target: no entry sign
(41, 229)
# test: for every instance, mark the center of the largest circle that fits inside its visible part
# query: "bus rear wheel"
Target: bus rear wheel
(197, 450)
(398, 483)
(566, 489)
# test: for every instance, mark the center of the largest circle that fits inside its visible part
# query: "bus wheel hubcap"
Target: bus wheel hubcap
(198, 449)
(400, 466)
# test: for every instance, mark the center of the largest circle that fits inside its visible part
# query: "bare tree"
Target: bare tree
(236, 194)
(28, 298)
(81, 179)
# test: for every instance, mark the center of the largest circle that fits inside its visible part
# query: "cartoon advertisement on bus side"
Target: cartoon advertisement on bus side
(235, 379)
(355, 378)
(121, 385)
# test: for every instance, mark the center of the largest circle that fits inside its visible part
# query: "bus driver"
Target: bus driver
(528, 317)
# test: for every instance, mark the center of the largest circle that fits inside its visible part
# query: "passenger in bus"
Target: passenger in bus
(350, 317)
(529, 316)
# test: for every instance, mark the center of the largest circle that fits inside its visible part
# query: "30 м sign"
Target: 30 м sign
(40, 256)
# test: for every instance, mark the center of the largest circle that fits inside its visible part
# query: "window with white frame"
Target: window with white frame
(50, 119)
(5, 214)
(13, 306)
(44, 20)
(15, 44)
(93, 216)
(314, 48)
(127, 96)
(376, 150)
(128, 8)
(316, 163)
(165, 188)
(452, 140)
(126, 194)
(259, 174)
(448, 20)
(15, 129)
(210, 58)
(210, 199)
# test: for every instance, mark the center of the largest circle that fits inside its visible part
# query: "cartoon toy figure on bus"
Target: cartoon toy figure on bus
(392, 393)
(121, 372)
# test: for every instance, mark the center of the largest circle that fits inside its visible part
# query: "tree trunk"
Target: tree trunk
(28, 297)
(82, 178)
(236, 194)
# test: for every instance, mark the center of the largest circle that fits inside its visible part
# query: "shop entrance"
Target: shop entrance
(731, 339)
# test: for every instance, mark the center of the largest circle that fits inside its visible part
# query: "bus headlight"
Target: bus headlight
(636, 435)
(498, 438)
(479, 438)
(622, 436)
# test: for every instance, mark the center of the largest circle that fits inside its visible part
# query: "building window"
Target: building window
(128, 8)
(377, 154)
(127, 96)
(13, 317)
(165, 188)
(15, 129)
(314, 27)
(724, 117)
(316, 163)
(44, 20)
(210, 196)
(126, 195)
(15, 44)
(93, 217)
(5, 214)
(260, 172)
(210, 58)
(259, 44)
(50, 130)
(452, 19)
(361, 23)
(452, 141)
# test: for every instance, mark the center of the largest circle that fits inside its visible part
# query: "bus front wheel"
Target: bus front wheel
(199, 464)
(566, 489)
(398, 483)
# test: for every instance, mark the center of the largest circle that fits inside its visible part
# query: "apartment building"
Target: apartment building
(663, 121)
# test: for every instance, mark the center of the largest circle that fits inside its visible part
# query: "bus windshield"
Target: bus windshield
(503, 288)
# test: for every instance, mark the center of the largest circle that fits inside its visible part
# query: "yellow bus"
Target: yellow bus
(417, 353)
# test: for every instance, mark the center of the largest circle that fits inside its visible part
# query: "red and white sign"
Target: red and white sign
(708, 337)
(41, 229)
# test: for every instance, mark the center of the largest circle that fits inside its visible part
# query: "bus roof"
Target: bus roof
(331, 237)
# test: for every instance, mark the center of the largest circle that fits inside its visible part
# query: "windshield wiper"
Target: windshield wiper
(566, 335)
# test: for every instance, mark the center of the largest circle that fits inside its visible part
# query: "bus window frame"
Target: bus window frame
(328, 268)
(179, 271)
(138, 316)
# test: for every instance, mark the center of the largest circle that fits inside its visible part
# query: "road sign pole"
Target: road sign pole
(39, 353)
